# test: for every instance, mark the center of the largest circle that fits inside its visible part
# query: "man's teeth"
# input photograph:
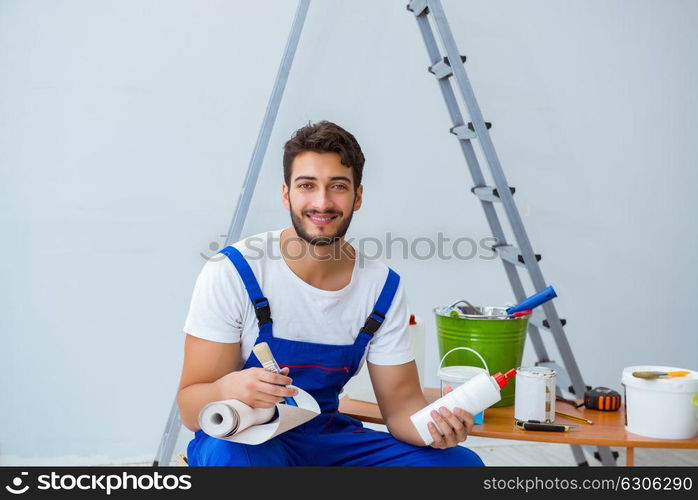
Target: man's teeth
(322, 218)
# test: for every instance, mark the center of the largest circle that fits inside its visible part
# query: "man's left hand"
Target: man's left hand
(455, 425)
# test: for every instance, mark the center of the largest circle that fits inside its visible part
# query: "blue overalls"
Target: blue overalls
(322, 370)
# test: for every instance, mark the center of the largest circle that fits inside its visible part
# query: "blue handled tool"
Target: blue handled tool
(534, 300)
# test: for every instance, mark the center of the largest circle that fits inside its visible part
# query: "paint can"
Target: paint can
(535, 394)
(663, 408)
(455, 376)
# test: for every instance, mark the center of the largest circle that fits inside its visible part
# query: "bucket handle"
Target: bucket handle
(465, 349)
(477, 312)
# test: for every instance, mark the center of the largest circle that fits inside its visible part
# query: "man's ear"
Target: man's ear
(357, 200)
(284, 196)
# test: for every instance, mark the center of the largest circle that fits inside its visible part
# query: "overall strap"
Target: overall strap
(380, 309)
(259, 301)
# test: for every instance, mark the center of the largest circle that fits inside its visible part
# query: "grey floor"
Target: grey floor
(497, 452)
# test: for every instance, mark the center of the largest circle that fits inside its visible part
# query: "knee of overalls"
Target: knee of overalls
(207, 451)
(425, 456)
(456, 456)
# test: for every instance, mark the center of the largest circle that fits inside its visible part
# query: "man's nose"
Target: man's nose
(322, 201)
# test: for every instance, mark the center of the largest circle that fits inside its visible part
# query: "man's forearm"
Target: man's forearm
(193, 398)
(400, 425)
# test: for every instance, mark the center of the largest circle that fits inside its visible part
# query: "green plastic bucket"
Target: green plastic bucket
(499, 339)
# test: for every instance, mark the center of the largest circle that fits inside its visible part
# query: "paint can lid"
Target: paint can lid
(535, 371)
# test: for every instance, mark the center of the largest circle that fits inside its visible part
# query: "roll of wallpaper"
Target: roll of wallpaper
(226, 418)
(233, 420)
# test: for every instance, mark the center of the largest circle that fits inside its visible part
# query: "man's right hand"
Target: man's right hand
(256, 387)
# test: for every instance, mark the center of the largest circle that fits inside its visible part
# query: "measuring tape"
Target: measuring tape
(602, 398)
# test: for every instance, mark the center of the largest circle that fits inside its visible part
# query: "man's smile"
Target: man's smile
(320, 219)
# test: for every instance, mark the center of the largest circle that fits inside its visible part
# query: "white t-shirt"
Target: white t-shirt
(221, 310)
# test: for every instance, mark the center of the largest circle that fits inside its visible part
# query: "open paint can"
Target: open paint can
(535, 394)
(455, 376)
(664, 408)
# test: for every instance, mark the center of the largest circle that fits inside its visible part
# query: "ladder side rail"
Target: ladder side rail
(169, 437)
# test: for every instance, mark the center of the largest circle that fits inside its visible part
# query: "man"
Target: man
(324, 312)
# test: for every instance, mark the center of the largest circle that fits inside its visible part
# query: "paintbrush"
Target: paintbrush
(649, 375)
(268, 362)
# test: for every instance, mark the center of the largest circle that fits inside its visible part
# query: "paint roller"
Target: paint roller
(533, 301)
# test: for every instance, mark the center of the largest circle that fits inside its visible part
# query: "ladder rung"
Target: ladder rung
(466, 133)
(463, 133)
(418, 7)
(442, 69)
(538, 320)
(512, 254)
(488, 125)
(489, 193)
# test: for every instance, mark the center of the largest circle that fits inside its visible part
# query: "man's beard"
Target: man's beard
(323, 240)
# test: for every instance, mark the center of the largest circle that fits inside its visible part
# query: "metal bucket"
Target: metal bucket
(498, 338)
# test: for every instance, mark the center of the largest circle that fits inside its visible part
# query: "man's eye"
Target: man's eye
(340, 186)
(305, 186)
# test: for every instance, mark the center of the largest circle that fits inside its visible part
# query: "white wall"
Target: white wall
(126, 128)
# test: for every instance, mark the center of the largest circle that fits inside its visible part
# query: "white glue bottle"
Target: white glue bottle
(477, 394)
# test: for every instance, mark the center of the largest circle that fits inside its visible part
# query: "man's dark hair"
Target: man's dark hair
(325, 137)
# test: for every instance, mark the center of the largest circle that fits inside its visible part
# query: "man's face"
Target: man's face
(320, 197)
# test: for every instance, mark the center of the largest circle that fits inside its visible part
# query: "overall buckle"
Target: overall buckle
(262, 311)
(373, 323)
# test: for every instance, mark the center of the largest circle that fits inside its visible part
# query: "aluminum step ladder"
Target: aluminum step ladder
(445, 69)
(426, 12)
